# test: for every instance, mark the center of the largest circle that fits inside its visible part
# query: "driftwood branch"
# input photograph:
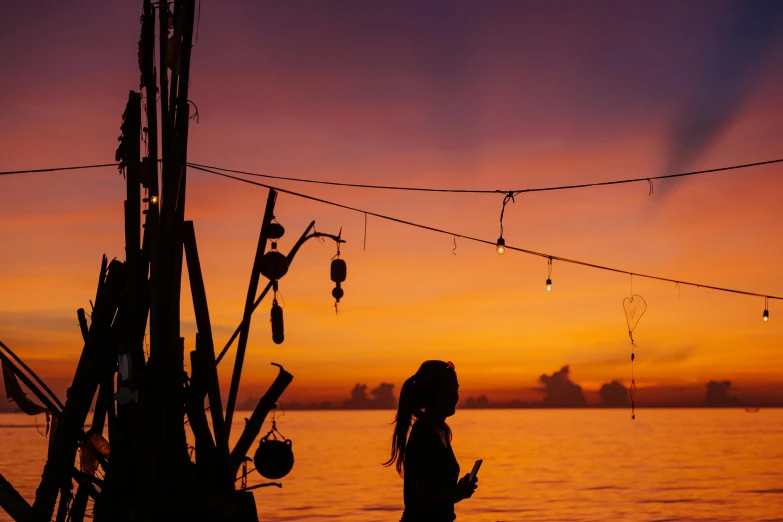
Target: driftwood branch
(256, 420)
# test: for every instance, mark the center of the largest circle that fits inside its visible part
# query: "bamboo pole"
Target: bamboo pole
(249, 301)
(174, 442)
(132, 130)
(65, 439)
(196, 391)
(206, 349)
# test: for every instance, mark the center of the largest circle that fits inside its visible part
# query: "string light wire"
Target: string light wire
(483, 241)
(486, 191)
(426, 189)
(57, 169)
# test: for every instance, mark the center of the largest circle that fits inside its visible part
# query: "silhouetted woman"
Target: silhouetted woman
(425, 459)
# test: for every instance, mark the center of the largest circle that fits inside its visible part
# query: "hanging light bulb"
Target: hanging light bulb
(154, 200)
(766, 316)
(549, 275)
(501, 246)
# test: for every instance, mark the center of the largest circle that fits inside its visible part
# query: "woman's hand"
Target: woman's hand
(465, 488)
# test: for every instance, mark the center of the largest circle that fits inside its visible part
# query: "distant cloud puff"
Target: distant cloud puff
(718, 394)
(613, 395)
(382, 397)
(560, 391)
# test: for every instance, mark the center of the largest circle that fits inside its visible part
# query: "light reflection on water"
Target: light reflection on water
(538, 465)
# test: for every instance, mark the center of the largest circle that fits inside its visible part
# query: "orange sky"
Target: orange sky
(408, 97)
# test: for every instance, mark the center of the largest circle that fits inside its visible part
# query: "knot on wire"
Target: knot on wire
(509, 196)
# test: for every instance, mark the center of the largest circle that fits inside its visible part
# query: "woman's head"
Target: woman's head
(435, 391)
(432, 393)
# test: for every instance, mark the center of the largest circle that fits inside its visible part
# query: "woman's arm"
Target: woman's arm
(430, 492)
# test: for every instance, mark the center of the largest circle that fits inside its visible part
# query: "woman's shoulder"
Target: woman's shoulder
(425, 433)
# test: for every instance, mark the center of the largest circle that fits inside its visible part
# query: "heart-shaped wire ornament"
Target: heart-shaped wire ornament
(634, 307)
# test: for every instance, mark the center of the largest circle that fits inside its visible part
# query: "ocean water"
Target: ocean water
(576, 465)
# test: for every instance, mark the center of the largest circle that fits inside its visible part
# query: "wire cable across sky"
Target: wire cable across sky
(484, 241)
(486, 191)
(427, 189)
(57, 169)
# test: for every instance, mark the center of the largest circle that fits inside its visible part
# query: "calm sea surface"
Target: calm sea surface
(538, 465)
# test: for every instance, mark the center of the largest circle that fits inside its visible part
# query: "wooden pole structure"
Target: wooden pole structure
(132, 131)
(65, 439)
(206, 350)
(150, 243)
(164, 400)
(249, 300)
(174, 431)
(163, 37)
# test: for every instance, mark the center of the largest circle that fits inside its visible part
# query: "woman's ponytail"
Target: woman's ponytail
(407, 407)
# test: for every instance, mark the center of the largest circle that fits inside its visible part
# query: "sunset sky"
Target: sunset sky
(491, 95)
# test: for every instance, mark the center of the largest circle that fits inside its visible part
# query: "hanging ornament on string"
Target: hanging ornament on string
(549, 276)
(275, 230)
(276, 318)
(634, 307)
(338, 273)
(274, 265)
(274, 457)
(500, 246)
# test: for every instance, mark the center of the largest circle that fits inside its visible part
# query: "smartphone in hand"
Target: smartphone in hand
(475, 470)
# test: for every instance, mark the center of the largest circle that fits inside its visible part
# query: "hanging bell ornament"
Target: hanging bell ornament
(277, 323)
(275, 231)
(274, 265)
(274, 458)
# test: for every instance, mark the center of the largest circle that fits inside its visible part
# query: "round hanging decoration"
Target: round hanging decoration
(274, 457)
(274, 265)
